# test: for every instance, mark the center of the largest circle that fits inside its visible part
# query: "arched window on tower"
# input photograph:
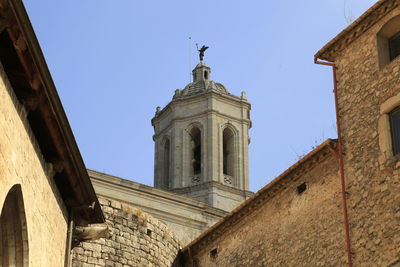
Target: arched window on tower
(195, 149)
(166, 170)
(206, 75)
(228, 152)
(13, 230)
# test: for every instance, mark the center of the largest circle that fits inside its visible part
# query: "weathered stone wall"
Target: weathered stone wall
(186, 217)
(287, 229)
(21, 163)
(137, 239)
(372, 177)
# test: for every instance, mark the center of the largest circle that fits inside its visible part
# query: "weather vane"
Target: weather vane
(201, 51)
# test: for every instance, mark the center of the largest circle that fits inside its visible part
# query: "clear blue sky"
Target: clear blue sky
(113, 62)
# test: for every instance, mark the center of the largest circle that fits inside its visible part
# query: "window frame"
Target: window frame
(392, 48)
(395, 130)
(389, 31)
(387, 155)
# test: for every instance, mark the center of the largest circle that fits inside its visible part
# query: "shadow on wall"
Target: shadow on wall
(14, 248)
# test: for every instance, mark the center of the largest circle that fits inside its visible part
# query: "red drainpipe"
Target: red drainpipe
(190, 257)
(341, 164)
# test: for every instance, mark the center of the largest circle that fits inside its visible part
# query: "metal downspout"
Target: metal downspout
(69, 238)
(190, 257)
(341, 163)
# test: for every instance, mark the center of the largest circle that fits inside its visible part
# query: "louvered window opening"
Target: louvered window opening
(394, 46)
(395, 128)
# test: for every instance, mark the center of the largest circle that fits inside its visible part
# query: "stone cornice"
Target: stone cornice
(225, 95)
(206, 112)
(160, 214)
(130, 187)
(312, 159)
(354, 30)
(230, 98)
(209, 184)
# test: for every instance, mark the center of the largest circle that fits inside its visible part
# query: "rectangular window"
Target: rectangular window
(394, 46)
(395, 128)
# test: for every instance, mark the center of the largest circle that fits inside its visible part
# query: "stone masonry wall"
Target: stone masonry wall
(186, 217)
(373, 183)
(21, 163)
(137, 239)
(288, 229)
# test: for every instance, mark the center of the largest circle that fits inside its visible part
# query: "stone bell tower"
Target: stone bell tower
(201, 143)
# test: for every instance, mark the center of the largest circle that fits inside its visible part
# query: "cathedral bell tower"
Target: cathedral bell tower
(201, 143)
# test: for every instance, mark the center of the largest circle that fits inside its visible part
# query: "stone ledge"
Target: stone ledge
(127, 185)
(206, 185)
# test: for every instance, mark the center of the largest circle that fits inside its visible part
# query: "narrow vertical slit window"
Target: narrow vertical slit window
(195, 161)
(301, 188)
(228, 152)
(149, 232)
(165, 182)
(394, 117)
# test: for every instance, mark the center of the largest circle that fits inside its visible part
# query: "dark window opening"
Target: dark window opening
(205, 74)
(165, 182)
(214, 253)
(394, 117)
(227, 151)
(301, 188)
(394, 46)
(197, 159)
(195, 135)
(225, 160)
(149, 232)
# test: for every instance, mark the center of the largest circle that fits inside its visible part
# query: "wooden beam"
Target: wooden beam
(32, 102)
(3, 24)
(20, 43)
(58, 165)
(35, 81)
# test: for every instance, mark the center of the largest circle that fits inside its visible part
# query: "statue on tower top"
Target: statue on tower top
(201, 51)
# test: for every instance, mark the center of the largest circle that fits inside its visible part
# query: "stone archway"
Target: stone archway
(14, 250)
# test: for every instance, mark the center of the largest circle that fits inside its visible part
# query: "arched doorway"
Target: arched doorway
(14, 249)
